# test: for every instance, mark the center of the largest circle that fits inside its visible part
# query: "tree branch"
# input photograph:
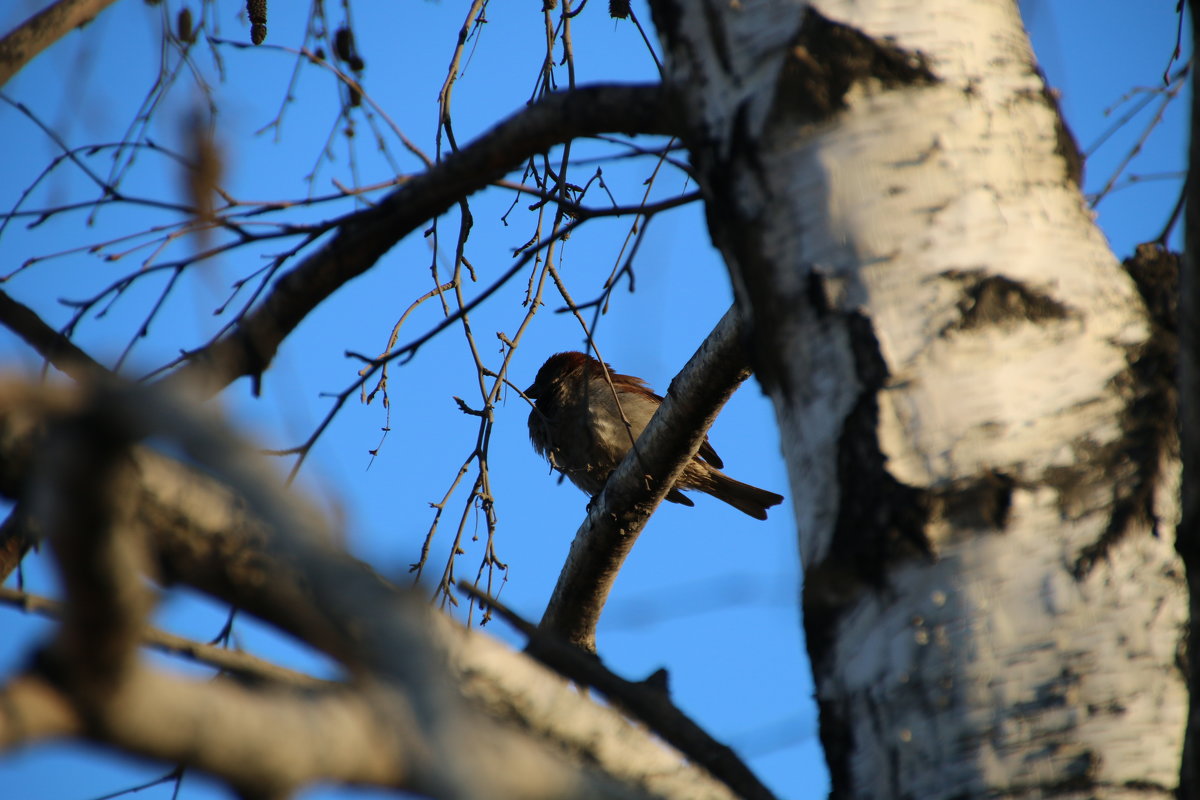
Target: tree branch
(31, 709)
(618, 514)
(235, 662)
(43, 29)
(364, 237)
(49, 343)
(62, 353)
(645, 700)
(204, 533)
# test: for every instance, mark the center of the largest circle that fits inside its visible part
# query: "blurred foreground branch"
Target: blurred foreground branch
(113, 509)
(22, 43)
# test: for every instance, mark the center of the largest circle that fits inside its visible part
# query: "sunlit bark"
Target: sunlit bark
(976, 408)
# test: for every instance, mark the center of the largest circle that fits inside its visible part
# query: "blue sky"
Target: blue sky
(708, 593)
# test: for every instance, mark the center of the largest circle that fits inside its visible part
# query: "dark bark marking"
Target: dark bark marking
(733, 234)
(1065, 142)
(1187, 541)
(880, 520)
(837, 742)
(818, 294)
(827, 58)
(1155, 273)
(1049, 694)
(1149, 422)
(1080, 778)
(716, 34)
(977, 504)
(994, 300)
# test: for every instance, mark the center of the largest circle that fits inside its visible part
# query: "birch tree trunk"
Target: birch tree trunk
(976, 406)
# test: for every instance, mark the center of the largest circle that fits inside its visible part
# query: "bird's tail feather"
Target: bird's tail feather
(742, 496)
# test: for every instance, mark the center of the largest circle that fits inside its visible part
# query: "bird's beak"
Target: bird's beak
(532, 392)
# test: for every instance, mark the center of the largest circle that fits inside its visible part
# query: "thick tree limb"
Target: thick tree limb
(618, 515)
(231, 731)
(43, 29)
(366, 235)
(85, 504)
(32, 709)
(66, 356)
(313, 589)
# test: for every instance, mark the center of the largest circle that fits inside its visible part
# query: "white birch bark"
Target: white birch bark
(982, 454)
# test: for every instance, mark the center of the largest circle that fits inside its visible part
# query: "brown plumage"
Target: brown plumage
(575, 424)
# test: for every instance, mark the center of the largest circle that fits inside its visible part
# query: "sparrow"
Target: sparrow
(576, 425)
